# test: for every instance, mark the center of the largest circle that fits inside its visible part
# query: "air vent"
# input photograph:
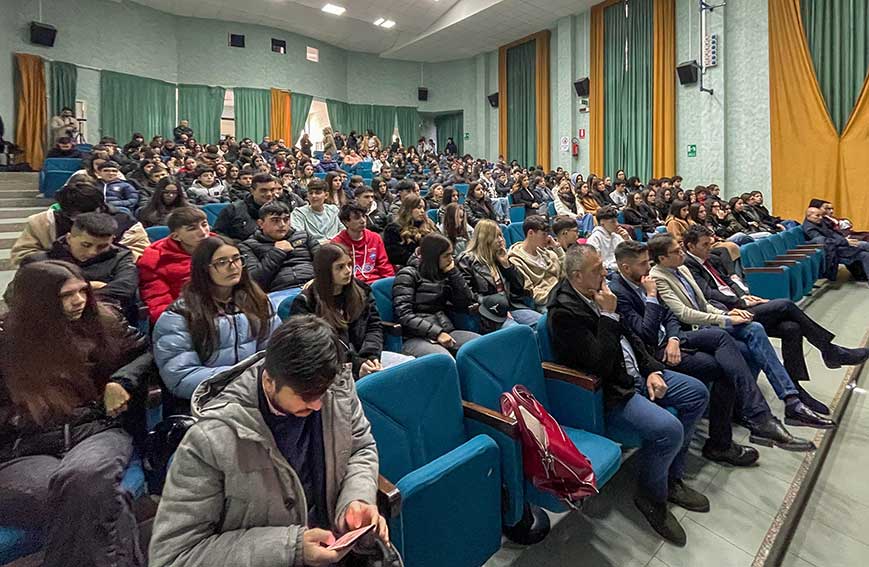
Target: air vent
(236, 40)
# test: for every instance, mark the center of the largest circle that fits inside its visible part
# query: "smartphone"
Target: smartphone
(350, 538)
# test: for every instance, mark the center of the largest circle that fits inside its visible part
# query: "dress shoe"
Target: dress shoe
(837, 356)
(736, 455)
(771, 433)
(683, 495)
(799, 414)
(661, 519)
(813, 404)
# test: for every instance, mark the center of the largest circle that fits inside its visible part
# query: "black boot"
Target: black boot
(683, 495)
(836, 356)
(661, 519)
(771, 433)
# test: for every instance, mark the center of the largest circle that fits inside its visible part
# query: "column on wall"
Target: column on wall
(30, 128)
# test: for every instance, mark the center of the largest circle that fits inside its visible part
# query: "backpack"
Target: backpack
(549, 458)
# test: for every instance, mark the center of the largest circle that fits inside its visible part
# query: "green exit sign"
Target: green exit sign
(692, 150)
(467, 135)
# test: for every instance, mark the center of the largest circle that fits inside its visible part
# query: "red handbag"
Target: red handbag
(549, 458)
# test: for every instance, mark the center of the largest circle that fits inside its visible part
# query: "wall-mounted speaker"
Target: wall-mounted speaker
(688, 72)
(493, 100)
(42, 34)
(581, 87)
(422, 93)
(236, 40)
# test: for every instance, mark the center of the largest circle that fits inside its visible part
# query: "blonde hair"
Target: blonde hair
(484, 243)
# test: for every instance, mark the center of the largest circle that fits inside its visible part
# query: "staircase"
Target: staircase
(19, 198)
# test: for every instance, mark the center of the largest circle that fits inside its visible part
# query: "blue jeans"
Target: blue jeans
(740, 238)
(522, 317)
(502, 207)
(665, 436)
(761, 355)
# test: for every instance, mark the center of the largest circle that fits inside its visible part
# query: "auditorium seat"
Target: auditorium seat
(382, 291)
(770, 281)
(54, 174)
(212, 211)
(157, 232)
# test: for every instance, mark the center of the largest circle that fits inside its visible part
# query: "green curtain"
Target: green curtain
(628, 89)
(383, 123)
(838, 37)
(339, 115)
(253, 113)
(63, 78)
(300, 107)
(408, 124)
(360, 118)
(203, 107)
(135, 104)
(521, 104)
(450, 126)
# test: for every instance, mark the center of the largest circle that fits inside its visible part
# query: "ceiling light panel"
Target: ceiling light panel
(333, 9)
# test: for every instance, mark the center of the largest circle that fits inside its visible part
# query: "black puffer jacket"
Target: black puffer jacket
(272, 268)
(238, 219)
(482, 282)
(398, 251)
(420, 304)
(475, 211)
(363, 336)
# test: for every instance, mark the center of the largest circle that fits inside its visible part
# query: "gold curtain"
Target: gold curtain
(502, 101)
(32, 112)
(595, 92)
(808, 158)
(281, 116)
(664, 89)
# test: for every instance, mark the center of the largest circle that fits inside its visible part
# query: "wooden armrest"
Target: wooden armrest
(766, 270)
(388, 497)
(558, 372)
(391, 328)
(793, 254)
(514, 205)
(495, 420)
(807, 245)
(781, 263)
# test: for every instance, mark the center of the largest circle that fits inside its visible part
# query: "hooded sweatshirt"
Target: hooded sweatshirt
(605, 243)
(370, 262)
(541, 273)
(322, 226)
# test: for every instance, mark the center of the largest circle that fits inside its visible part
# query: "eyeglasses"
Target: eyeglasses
(224, 263)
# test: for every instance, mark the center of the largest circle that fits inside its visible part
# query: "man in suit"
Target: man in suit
(781, 318)
(677, 288)
(839, 248)
(710, 354)
(587, 335)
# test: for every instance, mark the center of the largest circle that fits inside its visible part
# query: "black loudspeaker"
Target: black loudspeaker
(422, 93)
(581, 87)
(493, 100)
(42, 34)
(688, 72)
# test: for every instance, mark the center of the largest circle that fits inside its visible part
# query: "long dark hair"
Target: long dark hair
(430, 249)
(694, 213)
(52, 365)
(676, 209)
(322, 289)
(453, 229)
(156, 210)
(201, 309)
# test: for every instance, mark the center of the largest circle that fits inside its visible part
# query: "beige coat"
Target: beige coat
(539, 280)
(671, 292)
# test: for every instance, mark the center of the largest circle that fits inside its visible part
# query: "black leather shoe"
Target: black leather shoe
(813, 404)
(771, 433)
(662, 520)
(838, 356)
(736, 455)
(799, 414)
(532, 528)
(683, 495)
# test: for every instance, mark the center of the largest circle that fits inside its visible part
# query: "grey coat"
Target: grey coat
(231, 498)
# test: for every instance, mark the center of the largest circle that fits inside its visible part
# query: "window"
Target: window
(227, 117)
(236, 40)
(279, 46)
(318, 118)
(312, 54)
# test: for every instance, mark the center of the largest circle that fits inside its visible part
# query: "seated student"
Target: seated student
(678, 220)
(781, 318)
(310, 461)
(496, 282)
(402, 236)
(241, 187)
(370, 261)
(619, 196)
(539, 259)
(278, 256)
(755, 201)
(168, 196)
(586, 200)
(64, 388)
(327, 164)
(565, 230)
(523, 194)
(118, 193)
(566, 203)
(75, 198)
(738, 221)
(109, 269)
(639, 214)
(709, 354)
(586, 335)
(348, 306)
(375, 215)
(479, 206)
(841, 225)
(435, 197)
(607, 235)
(239, 220)
(403, 188)
(221, 318)
(317, 218)
(677, 288)
(422, 293)
(450, 196)
(207, 188)
(64, 148)
(454, 227)
(839, 249)
(335, 194)
(164, 268)
(152, 174)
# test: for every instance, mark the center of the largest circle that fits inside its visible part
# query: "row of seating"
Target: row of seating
(782, 266)
(55, 172)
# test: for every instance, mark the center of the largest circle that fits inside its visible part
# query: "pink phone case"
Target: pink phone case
(348, 539)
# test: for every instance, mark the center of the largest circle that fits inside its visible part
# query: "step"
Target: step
(15, 225)
(19, 212)
(19, 192)
(5, 260)
(24, 202)
(7, 239)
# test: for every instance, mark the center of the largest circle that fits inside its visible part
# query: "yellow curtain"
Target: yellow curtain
(542, 107)
(280, 122)
(807, 156)
(595, 92)
(30, 127)
(502, 101)
(664, 89)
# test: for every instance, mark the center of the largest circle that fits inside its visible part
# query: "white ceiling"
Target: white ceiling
(425, 30)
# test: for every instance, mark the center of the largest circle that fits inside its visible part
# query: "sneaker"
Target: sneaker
(662, 520)
(686, 497)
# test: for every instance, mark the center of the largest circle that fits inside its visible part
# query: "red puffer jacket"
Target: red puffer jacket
(164, 268)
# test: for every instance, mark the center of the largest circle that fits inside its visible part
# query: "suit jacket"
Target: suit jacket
(709, 286)
(644, 318)
(670, 291)
(586, 341)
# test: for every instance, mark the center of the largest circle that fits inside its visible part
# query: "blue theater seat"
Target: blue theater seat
(382, 291)
(155, 233)
(212, 211)
(771, 281)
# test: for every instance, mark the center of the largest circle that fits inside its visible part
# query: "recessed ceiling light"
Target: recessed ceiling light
(379, 21)
(333, 9)
(387, 24)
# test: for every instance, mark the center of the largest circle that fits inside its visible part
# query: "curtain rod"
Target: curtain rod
(50, 60)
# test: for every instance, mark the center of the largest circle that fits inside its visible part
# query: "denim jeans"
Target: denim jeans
(762, 355)
(665, 436)
(502, 207)
(522, 317)
(740, 238)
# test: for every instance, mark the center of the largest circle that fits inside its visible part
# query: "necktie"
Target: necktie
(711, 269)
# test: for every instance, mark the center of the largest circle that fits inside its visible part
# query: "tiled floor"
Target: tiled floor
(611, 532)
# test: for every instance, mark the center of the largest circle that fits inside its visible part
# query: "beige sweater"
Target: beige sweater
(539, 277)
